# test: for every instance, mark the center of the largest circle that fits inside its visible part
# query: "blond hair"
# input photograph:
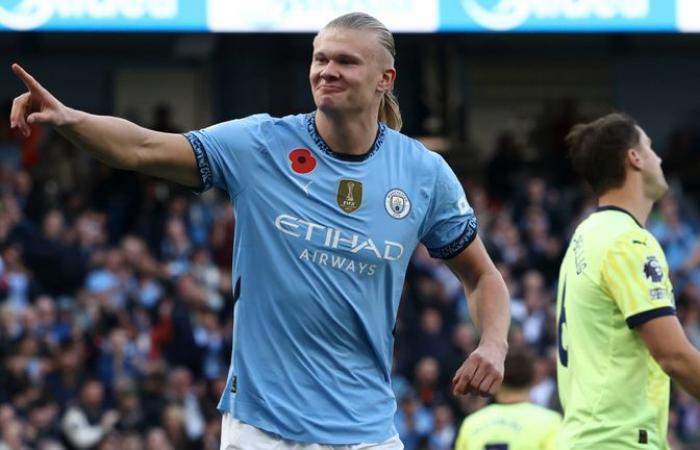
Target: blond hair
(389, 112)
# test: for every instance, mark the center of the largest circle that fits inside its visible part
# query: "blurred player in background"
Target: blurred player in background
(619, 337)
(512, 423)
(329, 206)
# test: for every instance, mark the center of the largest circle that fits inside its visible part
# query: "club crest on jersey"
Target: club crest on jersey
(652, 269)
(397, 204)
(349, 195)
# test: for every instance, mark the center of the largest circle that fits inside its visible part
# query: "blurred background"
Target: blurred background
(115, 288)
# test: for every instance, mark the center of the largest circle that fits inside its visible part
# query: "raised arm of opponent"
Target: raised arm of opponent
(114, 141)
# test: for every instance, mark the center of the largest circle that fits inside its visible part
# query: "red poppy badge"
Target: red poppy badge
(302, 160)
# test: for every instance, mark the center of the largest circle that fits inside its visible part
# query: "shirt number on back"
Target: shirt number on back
(496, 447)
(563, 353)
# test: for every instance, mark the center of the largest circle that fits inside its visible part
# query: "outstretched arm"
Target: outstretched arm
(114, 141)
(489, 306)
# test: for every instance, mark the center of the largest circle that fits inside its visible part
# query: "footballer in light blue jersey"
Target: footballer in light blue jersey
(322, 242)
(321, 248)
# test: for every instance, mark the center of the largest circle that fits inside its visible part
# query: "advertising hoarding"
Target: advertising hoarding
(427, 16)
(557, 15)
(311, 15)
(103, 15)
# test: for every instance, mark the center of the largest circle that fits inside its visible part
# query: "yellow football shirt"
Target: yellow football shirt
(614, 277)
(517, 426)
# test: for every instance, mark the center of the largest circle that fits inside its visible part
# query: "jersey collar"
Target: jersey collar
(622, 210)
(310, 121)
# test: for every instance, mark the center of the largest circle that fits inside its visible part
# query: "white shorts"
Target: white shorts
(236, 435)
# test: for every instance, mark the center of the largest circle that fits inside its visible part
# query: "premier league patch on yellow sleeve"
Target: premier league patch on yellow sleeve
(654, 274)
(652, 270)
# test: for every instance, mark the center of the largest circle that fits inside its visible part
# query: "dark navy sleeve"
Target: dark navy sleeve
(644, 317)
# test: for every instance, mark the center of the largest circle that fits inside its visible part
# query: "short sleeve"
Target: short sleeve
(450, 224)
(226, 152)
(635, 273)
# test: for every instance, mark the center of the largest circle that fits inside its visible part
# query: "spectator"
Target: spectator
(208, 275)
(413, 422)
(86, 424)
(674, 233)
(533, 310)
(128, 406)
(181, 393)
(153, 393)
(16, 283)
(157, 439)
(431, 339)
(544, 388)
(43, 427)
(119, 357)
(210, 339)
(427, 380)
(12, 438)
(68, 374)
(444, 431)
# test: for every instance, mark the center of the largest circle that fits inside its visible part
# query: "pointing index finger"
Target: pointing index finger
(28, 80)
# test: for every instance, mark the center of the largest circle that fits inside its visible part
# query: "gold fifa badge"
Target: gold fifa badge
(349, 195)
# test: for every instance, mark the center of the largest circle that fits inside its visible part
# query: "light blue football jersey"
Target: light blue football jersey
(321, 248)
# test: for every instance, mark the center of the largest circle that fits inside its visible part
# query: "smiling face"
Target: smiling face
(350, 71)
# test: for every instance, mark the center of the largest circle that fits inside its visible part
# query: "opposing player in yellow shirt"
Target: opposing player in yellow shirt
(619, 337)
(512, 423)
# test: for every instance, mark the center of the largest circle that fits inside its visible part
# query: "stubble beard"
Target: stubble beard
(657, 187)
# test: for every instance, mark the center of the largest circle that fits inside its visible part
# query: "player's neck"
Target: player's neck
(349, 135)
(631, 200)
(508, 396)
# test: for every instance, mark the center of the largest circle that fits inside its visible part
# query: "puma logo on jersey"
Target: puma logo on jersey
(303, 186)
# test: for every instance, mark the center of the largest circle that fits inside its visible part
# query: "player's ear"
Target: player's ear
(635, 159)
(386, 82)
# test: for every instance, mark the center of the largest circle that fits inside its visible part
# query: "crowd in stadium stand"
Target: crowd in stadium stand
(116, 298)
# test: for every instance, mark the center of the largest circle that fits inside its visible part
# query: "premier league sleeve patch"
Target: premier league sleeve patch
(652, 270)
(654, 274)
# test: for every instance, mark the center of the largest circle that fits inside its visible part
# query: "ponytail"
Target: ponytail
(389, 112)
